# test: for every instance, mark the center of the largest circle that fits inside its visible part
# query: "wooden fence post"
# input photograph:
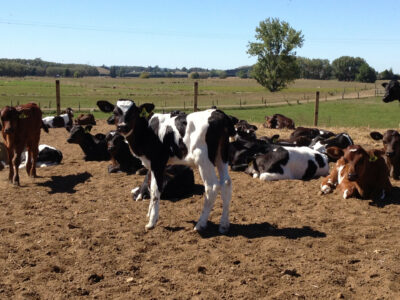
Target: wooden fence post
(316, 108)
(58, 97)
(196, 92)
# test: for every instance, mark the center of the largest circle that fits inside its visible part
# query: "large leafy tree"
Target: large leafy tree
(276, 65)
(346, 68)
(366, 73)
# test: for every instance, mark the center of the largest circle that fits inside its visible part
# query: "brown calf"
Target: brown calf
(85, 119)
(20, 127)
(278, 121)
(358, 173)
(391, 147)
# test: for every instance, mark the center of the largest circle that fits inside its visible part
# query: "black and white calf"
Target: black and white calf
(199, 139)
(64, 120)
(341, 140)
(47, 156)
(178, 182)
(121, 156)
(289, 163)
(94, 146)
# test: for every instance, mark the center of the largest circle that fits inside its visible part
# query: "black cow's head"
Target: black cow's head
(126, 114)
(77, 134)
(392, 91)
(114, 141)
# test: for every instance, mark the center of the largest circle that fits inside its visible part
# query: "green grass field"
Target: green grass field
(169, 92)
(173, 92)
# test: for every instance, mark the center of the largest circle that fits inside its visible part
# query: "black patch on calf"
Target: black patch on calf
(58, 122)
(272, 161)
(181, 123)
(173, 149)
(319, 159)
(217, 135)
(50, 155)
(310, 172)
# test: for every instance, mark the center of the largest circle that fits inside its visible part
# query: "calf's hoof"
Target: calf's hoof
(223, 229)
(149, 226)
(199, 227)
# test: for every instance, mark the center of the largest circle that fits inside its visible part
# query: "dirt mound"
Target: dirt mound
(75, 231)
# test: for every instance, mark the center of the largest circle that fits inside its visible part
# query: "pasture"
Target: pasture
(169, 92)
(75, 232)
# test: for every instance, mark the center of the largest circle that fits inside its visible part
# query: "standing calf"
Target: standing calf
(20, 127)
(199, 139)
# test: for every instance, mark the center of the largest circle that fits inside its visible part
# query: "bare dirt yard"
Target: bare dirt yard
(75, 232)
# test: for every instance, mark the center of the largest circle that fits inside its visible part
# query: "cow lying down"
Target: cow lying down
(47, 156)
(178, 182)
(289, 163)
(358, 173)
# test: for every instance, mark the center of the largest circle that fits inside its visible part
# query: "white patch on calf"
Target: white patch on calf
(124, 105)
(297, 164)
(340, 176)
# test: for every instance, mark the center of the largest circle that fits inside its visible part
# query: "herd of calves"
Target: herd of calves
(166, 146)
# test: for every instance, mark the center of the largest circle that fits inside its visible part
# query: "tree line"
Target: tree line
(344, 68)
(39, 67)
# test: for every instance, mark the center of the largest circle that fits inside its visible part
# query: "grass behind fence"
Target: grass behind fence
(164, 92)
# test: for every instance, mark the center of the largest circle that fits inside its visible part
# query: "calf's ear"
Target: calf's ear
(146, 110)
(378, 152)
(88, 128)
(376, 135)
(384, 84)
(335, 152)
(105, 106)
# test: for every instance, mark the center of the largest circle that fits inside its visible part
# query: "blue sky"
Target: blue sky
(209, 34)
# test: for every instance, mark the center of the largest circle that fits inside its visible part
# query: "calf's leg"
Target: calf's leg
(211, 187)
(226, 195)
(155, 186)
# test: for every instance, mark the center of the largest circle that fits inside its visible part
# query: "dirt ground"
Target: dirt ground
(75, 232)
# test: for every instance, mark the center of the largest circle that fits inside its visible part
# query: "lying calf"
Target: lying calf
(178, 182)
(289, 163)
(94, 146)
(64, 120)
(358, 173)
(321, 144)
(121, 156)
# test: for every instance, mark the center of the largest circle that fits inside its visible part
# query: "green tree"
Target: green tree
(276, 65)
(113, 71)
(194, 75)
(366, 73)
(345, 68)
(144, 75)
(241, 74)
(386, 75)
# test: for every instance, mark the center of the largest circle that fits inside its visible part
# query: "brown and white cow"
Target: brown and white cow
(85, 119)
(20, 127)
(358, 173)
(391, 147)
(278, 121)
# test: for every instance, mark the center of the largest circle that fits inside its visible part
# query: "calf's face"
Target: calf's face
(392, 91)
(9, 119)
(391, 142)
(356, 158)
(77, 134)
